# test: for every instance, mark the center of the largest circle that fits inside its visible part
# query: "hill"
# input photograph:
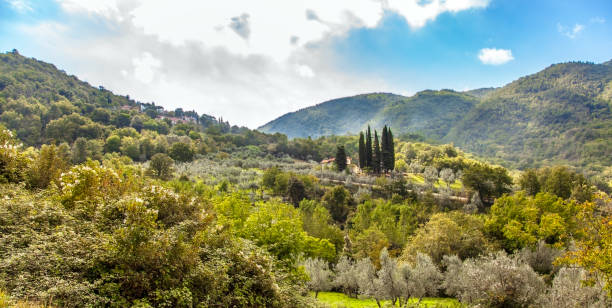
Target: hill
(559, 115)
(324, 120)
(429, 113)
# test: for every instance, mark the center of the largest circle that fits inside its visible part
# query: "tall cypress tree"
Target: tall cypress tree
(341, 158)
(362, 153)
(368, 148)
(376, 159)
(391, 145)
(384, 145)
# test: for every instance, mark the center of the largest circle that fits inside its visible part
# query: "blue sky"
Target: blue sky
(250, 63)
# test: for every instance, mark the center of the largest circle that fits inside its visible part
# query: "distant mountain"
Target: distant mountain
(480, 93)
(430, 113)
(336, 117)
(559, 115)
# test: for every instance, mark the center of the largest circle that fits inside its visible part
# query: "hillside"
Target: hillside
(324, 120)
(559, 115)
(429, 113)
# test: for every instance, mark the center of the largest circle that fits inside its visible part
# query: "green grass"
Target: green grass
(415, 178)
(337, 300)
(418, 179)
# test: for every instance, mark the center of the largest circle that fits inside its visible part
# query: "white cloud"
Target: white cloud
(570, 32)
(417, 12)
(145, 67)
(21, 6)
(305, 71)
(598, 20)
(214, 59)
(493, 56)
(271, 27)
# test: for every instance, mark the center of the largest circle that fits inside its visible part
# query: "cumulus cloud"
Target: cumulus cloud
(237, 59)
(570, 32)
(417, 12)
(240, 25)
(305, 71)
(493, 56)
(145, 67)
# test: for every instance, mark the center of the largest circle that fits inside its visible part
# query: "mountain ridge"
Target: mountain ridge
(561, 114)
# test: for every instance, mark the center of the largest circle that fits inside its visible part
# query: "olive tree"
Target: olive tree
(389, 279)
(421, 279)
(320, 275)
(496, 280)
(568, 291)
(346, 276)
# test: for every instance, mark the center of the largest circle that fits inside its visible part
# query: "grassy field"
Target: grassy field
(337, 300)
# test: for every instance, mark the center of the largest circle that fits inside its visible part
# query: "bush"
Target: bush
(181, 152)
(568, 290)
(161, 166)
(12, 161)
(496, 280)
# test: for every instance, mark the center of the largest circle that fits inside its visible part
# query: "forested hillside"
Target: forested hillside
(559, 115)
(337, 117)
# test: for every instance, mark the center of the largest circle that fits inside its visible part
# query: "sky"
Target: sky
(249, 61)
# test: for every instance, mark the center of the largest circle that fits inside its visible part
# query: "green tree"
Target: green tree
(519, 221)
(453, 233)
(130, 147)
(113, 144)
(181, 152)
(384, 152)
(338, 201)
(48, 165)
(340, 158)
(296, 191)
(12, 161)
(362, 151)
(79, 151)
(101, 115)
(376, 157)
(368, 149)
(529, 182)
(489, 182)
(161, 166)
(390, 163)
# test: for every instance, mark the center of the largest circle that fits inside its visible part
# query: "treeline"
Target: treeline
(379, 156)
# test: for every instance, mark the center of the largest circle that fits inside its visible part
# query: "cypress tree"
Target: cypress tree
(391, 145)
(376, 159)
(362, 154)
(341, 158)
(368, 148)
(384, 145)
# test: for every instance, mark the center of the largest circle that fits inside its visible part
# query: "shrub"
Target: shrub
(161, 166)
(12, 161)
(495, 280)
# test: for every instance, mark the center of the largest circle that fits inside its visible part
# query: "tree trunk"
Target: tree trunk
(378, 303)
(316, 294)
